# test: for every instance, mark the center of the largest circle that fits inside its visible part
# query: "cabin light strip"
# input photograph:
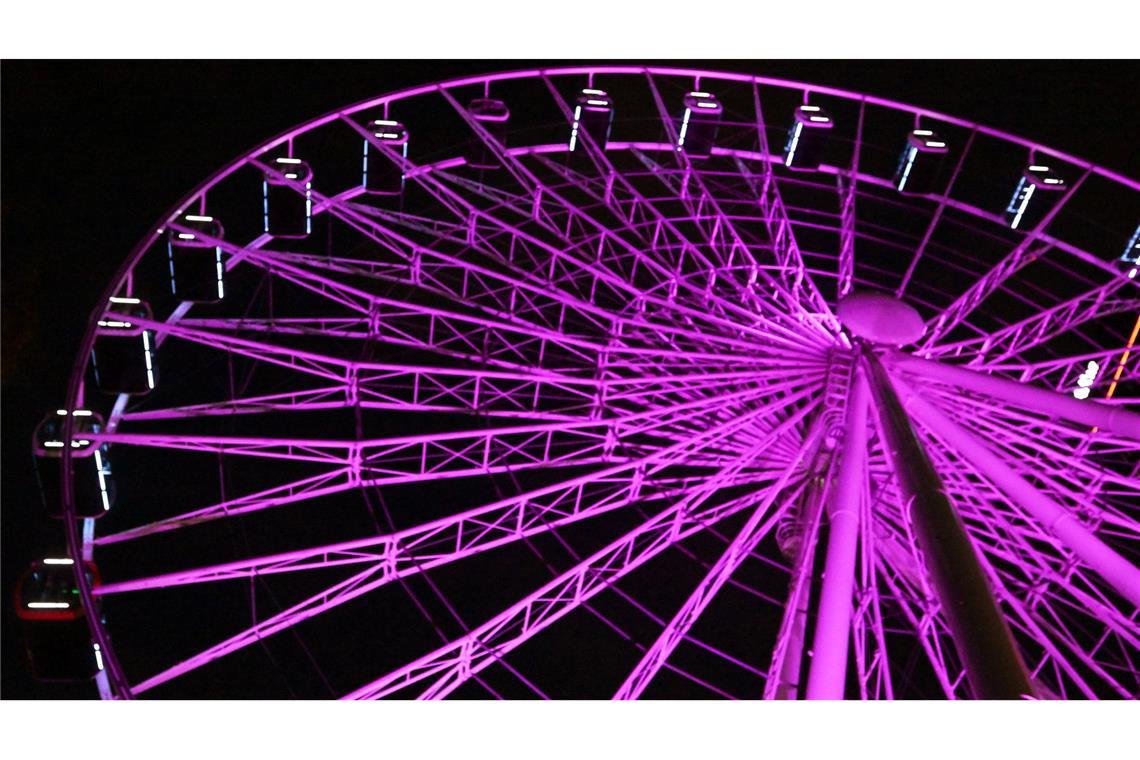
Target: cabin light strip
(1024, 203)
(684, 128)
(795, 142)
(103, 496)
(909, 163)
(218, 265)
(574, 127)
(149, 360)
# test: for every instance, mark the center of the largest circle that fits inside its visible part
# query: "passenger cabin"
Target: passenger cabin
(1036, 193)
(594, 116)
(382, 174)
(1129, 261)
(492, 116)
(920, 166)
(287, 194)
(196, 271)
(699, 123)
(57, 639)
(123, 357)
(93, 484)
(807, 138)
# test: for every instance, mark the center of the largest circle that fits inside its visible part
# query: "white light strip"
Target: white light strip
(923, 133)
(795, 142)
(593, 102)
(48, 605)
(288, 160)
(684, 127)
(574, 128)
(385, 123)
(195, 218)
(809, 108)
(185, 236)
(113, 323)
(59, 561)
(149, 363)
(700, 95)
(98, 656)
(1021, 209)
(116, 299)
(1038, 168)
(102, 481)
(819, 118)
(218, 262)
(935, 144)
(308, 207)
(593, 92)
(909, 163)
(53, 444)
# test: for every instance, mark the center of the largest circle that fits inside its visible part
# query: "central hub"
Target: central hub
(881, 319)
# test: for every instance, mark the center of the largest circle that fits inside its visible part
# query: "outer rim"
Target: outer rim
(79, 545)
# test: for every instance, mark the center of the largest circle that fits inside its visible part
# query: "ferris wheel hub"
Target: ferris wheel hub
(881, 319)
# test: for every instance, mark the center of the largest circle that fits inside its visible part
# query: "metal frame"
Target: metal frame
(648, 332)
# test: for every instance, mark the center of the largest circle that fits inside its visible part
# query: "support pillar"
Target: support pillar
(828, 675)
(1112, 419)
(1120, 573)
(981, 636)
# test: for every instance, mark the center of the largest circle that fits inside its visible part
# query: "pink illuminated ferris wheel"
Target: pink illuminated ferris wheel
(611, 382)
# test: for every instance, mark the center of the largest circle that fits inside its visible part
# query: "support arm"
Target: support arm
(828, 674)
(1060, 522)
(981, 636)
(1110, 418)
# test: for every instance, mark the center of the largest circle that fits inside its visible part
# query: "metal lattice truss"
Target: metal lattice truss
(484, 367)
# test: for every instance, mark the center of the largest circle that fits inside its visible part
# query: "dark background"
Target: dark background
(93, 152)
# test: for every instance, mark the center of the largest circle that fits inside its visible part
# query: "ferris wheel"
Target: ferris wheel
(610, 381)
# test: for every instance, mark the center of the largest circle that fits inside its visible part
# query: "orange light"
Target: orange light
(1123, 360)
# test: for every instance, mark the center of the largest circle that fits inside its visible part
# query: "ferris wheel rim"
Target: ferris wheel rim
(80, 545)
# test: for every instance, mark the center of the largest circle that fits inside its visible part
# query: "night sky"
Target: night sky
(94, 152)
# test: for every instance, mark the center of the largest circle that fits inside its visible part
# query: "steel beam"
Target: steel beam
(828, 674)
(1109, 418)
(981, 636)
(1056, 519)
